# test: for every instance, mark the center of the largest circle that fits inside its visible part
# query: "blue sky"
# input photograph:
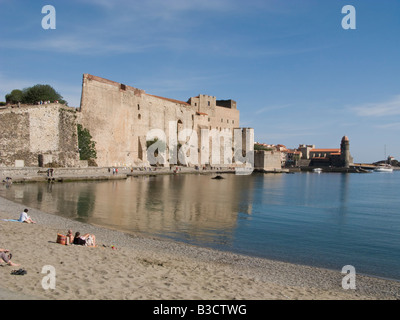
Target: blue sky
(298, 77)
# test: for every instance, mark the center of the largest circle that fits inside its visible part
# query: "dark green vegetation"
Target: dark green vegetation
(34, 94)
(87, 147)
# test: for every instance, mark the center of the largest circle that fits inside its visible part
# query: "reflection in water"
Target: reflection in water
(343, 200)
(196, 208)
(85, 205)
(326, 220)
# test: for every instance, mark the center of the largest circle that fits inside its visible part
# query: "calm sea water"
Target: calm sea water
(327, 220)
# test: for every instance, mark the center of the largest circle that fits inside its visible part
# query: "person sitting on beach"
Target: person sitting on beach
(70, 237)
(25, 218)
(7, 257)
(85, 240)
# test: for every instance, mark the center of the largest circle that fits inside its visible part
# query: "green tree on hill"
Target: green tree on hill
(35, 94)
(15, 96)
(41, 92)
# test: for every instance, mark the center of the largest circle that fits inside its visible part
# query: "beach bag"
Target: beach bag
(61, 239)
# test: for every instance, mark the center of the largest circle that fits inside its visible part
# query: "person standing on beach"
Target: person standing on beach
(7, 257)
(25, 218)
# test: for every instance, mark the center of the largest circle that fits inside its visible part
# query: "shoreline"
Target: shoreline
(40, 175)
(36, 174)
(72, 174)
(153, 269)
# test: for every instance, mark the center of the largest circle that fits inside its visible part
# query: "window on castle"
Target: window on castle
(209, 119)
(222, 120)
(123, 87)
(209, 103)
(139, 116)
(138, 107)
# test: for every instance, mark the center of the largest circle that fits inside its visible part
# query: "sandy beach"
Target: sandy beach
(148, 269)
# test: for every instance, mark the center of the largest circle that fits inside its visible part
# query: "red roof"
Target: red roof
(325, 150)
(171, 100)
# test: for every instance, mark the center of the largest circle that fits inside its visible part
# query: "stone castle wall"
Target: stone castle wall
(38, 134)
(119, 117)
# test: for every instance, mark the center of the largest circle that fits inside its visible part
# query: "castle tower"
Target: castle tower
(345, 152)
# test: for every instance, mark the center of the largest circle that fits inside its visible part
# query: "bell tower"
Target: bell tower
(345, 152)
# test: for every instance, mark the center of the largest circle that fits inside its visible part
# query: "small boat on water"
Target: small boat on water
(318, 170)
(384, 168)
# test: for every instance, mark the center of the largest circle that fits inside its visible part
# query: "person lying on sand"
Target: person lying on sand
(25, 218)
(5, 255)
(85, 240)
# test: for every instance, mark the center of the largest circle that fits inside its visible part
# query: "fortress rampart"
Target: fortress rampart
(38, 135)
(119, 117)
